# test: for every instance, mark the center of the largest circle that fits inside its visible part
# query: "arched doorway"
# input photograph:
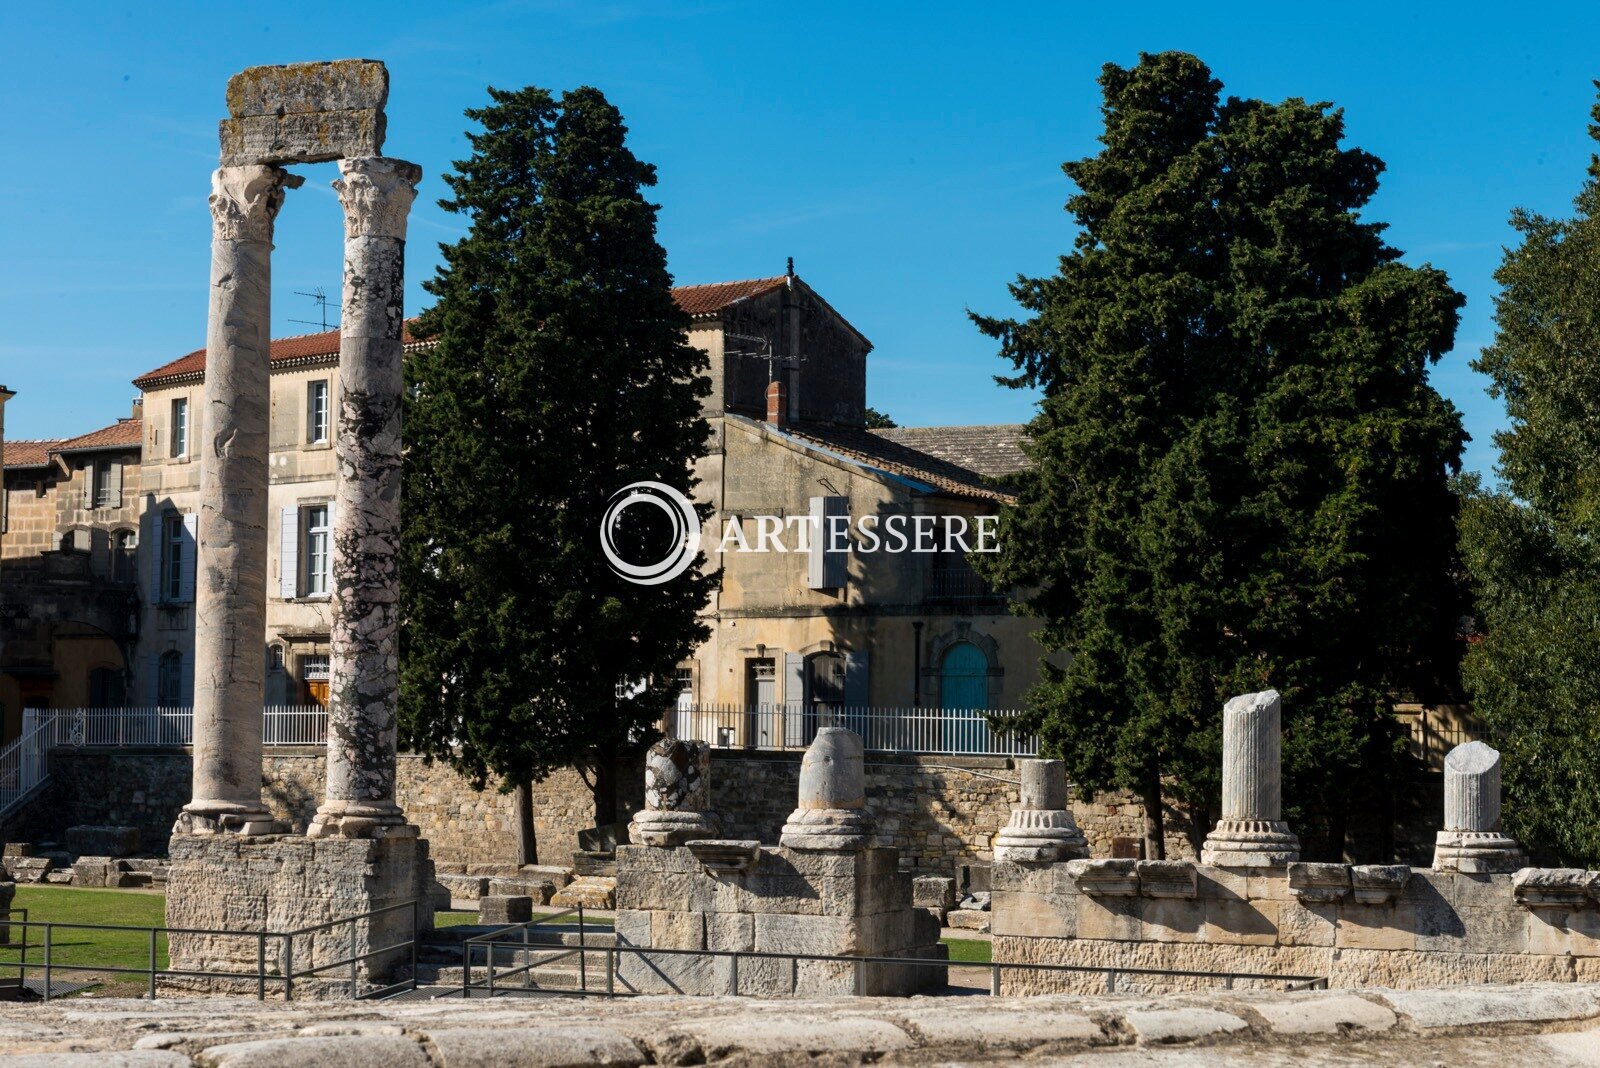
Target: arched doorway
(963, 693)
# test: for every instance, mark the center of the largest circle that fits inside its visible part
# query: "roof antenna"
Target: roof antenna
(323, 305)
(790, 272)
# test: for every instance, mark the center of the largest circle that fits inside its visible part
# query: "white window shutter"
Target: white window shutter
(88, 484)
(116, 483)
(827, 569)
(816, 570)
(289, 552)
(191, 542)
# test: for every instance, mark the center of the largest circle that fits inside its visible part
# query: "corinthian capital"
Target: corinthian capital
(377, 192)
(245, 200)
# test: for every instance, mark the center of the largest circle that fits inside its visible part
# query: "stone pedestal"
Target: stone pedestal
(1251, 833)
(831, 814)
(230, 610)
(1471, 840)
(677, 795)
(364, 666)
(282, 884)
(1041, 829)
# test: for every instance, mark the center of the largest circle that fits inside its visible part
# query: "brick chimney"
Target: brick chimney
(777, 403)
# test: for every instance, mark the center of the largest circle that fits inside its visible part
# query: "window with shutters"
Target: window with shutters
(124, 556)
(172, 557)
(169, 680)
(317, 556)
(317, 412)
(180, 427)
(107, 488)
(828, 565)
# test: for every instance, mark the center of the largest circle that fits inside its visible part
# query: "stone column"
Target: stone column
(677, 795)
(1042, 829)
(833, 795)
(1471, 840)
(364, 665)
(1251, 833)
(230, 610)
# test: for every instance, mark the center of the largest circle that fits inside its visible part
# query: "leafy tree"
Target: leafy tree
(876, 420)
(1239, 471)
(559, 372)
(1530, 547)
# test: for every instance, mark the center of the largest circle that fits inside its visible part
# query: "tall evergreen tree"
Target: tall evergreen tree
(1532, 548)
(1239, 470)
(559, 372)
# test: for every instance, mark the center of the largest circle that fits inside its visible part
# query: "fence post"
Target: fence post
(261, 965)
(288, 967)
(1111, 981)
(466, 966)
(527, 967)
(733, 974)
(152, 964)
(416, 935)
(861, 976)
(354, 962)
(611, 971)
(491, 946)
(994, 980)
(47, 962)
(583, 957)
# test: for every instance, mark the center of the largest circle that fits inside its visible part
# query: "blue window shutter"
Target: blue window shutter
(186, 679)
(794, 700)
(191, 541)
(836, 561)
(289, 553)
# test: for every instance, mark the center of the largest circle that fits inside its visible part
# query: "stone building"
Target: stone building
(71, 515)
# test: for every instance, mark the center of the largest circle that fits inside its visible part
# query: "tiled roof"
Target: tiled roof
(695, 300)
(30, 453)
(872, 448)
(992, 452)
(710, 299)
(124, 433)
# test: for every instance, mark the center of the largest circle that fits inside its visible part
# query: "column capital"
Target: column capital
(245, 201)
(376, 192)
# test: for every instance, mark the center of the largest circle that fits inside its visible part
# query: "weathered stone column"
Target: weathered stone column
(1471, 840)
(677, 795)
(364, 665)
(1251, 833)
(230, 610)
(833, 795)
(1041, 829)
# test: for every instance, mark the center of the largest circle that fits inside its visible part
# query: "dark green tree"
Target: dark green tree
(559, 371)
(1531, 546)
(1239, 470)
(876, 420)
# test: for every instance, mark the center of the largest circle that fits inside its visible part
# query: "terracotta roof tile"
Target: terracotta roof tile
(124, 433)
(875, 450)
(34, 452)
(695, 300)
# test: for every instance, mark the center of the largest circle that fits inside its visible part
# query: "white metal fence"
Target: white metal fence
(953, 731)
(168, 726)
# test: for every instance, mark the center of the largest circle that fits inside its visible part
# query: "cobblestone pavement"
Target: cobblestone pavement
(1547, 1025)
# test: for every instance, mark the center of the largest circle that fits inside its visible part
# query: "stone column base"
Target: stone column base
(1040, 836)
(1476, 852)
(224, 818)
(353, 820)
(653, 827)
(283, 883)
(1250, 844)
(827, 829)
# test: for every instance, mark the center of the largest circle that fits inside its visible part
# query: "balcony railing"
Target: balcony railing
(166, 726)
(958, 585)
(956, 731)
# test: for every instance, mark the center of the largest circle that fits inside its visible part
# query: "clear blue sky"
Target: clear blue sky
(907, 156)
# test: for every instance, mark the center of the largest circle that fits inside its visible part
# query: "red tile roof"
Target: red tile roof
(30, 453)
(695, 300)
(124, 434)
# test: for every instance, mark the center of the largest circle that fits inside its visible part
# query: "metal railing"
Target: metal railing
(24, 766)
(959, 585)
(951, 731)
(518, 940)
(282, 974)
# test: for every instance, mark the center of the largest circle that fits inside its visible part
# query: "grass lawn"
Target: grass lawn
(99, 949)
(969, 950)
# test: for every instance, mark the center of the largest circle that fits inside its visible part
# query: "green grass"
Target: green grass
(968, 950)
(97, 949)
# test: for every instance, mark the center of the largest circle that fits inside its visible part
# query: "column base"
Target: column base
(827, 829)
(653, 827)
(1476, 852)
(1250, 844)
(1040, 836)
(357, 819)
(226, 817)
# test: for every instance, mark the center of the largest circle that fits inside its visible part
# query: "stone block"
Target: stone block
(539, 889)
(534, 1047)
(1471, 930)
(28, 869)
(1166, 878)
(17, 849)
(1553, 931)
(1306, 924)
(937, 892)
(1172, 920)
(590, 891)
(969, 919)
(505, 909)
(1476, 1008)
(1159, 1026)
(1105, 878)
(1324, 1014)
(102, 840)
(731, 932)
(1242, 923)
(350, 1051)
(464, 887)
(1319, 884)
(1386, 927)
(307, 138)
(779, 933)
(678, 930)
(1560, 888)
(1034, 914)
(303, 88)
(95, 871)
(1378, 884)
(1113, 918)
(603, 839)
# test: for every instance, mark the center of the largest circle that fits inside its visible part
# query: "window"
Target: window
(317, 411)
(125, 556)
(172, 562)
(317, 540)
(105, 483)
(180, 427)
(169, 680)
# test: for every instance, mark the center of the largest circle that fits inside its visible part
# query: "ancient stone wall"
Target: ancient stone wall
(1385, 925)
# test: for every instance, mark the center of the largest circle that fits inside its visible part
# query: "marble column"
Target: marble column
(230, 607)
(364, 663)
(677, 795)
(1471, 840)
(831, 814)
(1251, 833)
(1041, 829)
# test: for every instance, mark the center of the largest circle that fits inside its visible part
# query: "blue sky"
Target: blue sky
(907, 156)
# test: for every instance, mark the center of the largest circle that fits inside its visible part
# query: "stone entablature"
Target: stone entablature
(1359, 925)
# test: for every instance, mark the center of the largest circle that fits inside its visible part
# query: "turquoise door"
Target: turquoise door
(963, 692)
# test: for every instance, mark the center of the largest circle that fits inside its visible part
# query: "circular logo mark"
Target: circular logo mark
(682, 532)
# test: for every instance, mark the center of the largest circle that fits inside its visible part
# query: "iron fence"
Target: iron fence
(932, 731)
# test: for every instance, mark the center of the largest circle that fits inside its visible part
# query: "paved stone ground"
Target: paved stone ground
(1547, 1025)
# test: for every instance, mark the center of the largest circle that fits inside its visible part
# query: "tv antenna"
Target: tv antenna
(323, 304)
